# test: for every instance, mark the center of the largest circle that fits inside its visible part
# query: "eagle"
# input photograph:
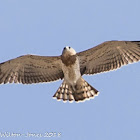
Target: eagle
(70, 66)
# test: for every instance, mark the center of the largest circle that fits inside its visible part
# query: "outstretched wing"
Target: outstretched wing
(29, 69)
(108, 56)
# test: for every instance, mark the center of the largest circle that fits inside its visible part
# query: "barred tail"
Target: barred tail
(64, 93)
(80, 92)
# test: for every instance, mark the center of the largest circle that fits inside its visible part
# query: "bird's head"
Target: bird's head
(68, 51)
(68, 56)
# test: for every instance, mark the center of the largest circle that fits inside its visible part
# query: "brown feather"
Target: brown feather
(68, 59)
(82, 91)
(31, 69)
(108, 56)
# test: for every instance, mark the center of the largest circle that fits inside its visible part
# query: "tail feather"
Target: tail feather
(64, 92)
(80, 92)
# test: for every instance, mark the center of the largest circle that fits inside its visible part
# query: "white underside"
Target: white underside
(71, 73)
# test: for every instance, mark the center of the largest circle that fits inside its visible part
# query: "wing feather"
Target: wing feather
(108, 56)
(30, 69)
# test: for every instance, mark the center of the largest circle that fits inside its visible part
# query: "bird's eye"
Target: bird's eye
(64, 48)
(69, 47)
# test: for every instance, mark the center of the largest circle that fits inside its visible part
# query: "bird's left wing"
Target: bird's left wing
(108, 56)
(29, 69)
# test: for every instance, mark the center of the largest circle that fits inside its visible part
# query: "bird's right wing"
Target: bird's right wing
(29, 69)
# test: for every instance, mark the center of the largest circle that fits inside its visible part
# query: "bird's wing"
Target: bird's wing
(108, 56)
(29, 69)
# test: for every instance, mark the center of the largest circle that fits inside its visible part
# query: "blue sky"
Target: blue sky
(44, 27)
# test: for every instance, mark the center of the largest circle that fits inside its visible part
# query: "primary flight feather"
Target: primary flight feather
(70, 66)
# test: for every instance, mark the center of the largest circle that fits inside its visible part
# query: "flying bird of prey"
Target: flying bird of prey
(70, 66)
